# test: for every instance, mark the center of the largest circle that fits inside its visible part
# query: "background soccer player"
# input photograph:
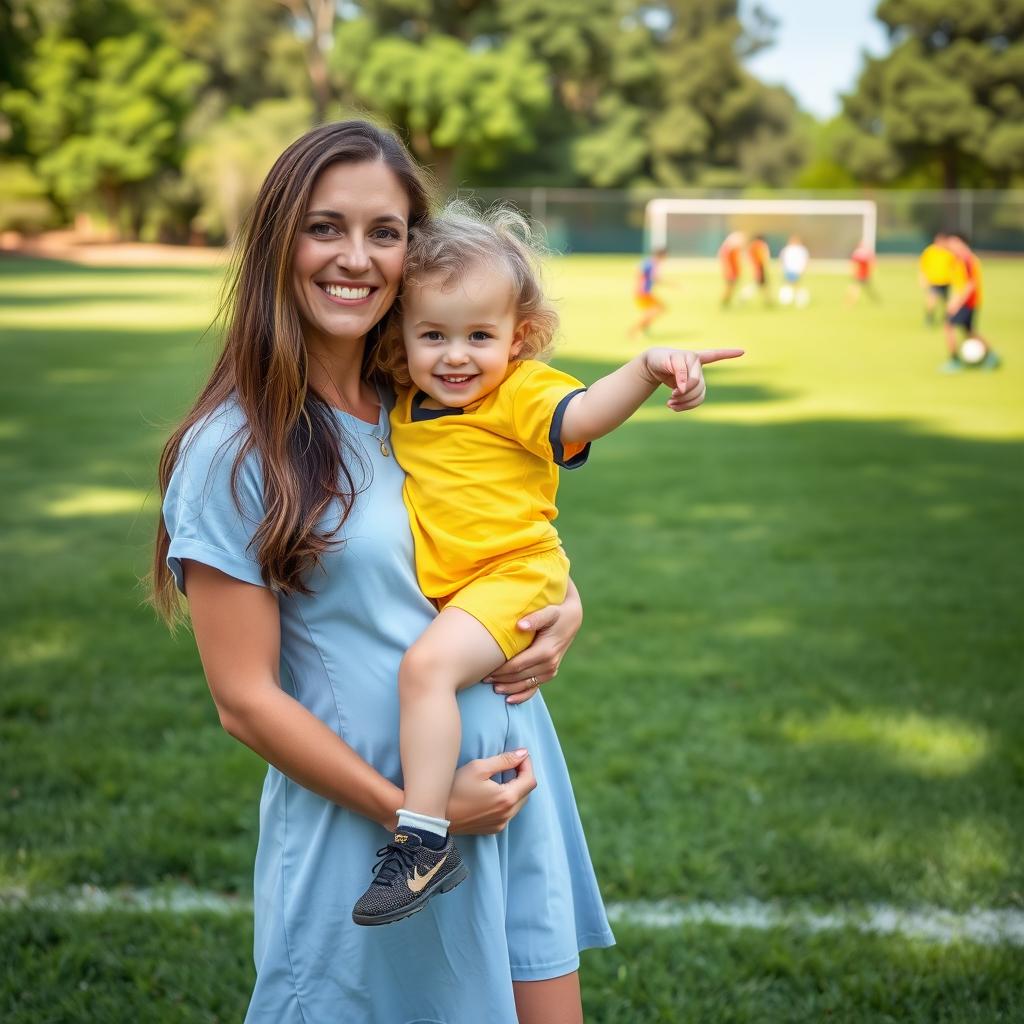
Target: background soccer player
(794, 258)
(862, 261)
(649, 305)
(965, 302)
(935, 273)
(759, 255)
(729, 254)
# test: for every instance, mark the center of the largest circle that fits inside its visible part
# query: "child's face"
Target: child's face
(459, 342)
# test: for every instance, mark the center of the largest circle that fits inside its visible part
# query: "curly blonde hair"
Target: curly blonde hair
(447, 246)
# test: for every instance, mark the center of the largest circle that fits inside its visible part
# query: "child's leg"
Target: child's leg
(950, 331)
(454, 652)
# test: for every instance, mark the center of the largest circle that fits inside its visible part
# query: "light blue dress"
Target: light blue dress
(531, 902)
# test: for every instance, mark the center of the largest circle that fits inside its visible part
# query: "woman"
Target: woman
(284, 526)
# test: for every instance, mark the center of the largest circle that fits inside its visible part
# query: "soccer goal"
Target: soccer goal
(830, 228)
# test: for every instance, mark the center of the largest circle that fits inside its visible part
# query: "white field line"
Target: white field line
(930, 924)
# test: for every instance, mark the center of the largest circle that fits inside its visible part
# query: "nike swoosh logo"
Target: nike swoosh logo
(418, 881)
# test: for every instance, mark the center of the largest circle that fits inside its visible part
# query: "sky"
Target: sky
(817, 53)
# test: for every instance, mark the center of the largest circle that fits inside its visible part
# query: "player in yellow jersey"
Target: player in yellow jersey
(480, 425)
(935, 274)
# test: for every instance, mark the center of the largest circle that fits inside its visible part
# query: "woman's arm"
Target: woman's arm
(238, 631)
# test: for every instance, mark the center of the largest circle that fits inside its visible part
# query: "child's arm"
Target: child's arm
(609, 402)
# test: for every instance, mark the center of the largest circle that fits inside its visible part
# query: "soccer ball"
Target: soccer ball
(785, 295)
(973, 351)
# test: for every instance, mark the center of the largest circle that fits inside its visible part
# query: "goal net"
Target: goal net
(830, 228)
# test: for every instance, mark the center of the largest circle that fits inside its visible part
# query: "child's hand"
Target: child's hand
(681, 371)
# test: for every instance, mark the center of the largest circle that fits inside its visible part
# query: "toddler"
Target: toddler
(480, 426)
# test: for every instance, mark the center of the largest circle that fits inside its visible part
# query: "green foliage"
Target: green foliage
(99, 120)
(822, 170)
(226, 164)
(683, 108)
(23, 202)
(248, 47)
(947, 99)
(455, 101)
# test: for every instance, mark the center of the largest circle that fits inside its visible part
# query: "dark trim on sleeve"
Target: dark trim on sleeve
(555, 435)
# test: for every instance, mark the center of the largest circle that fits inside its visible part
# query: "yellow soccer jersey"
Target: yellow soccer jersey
(937, 265)
(481, 481)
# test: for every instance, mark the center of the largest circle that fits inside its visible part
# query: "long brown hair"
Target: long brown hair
(264, 366)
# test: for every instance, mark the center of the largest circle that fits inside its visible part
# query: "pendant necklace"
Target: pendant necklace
(382, 440)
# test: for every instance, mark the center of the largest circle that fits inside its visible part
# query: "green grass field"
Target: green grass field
(799, 681)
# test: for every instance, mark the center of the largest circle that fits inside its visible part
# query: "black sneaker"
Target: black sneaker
(407, 876)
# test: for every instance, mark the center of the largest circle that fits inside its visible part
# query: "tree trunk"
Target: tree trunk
(949, 170)
(111, 194)
(319, 16)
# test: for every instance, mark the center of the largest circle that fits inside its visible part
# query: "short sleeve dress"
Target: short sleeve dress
(531, 902)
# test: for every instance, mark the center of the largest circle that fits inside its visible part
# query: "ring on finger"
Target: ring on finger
(533, 681)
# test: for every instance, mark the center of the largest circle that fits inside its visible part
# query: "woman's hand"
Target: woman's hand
(480, 806)
(556, 627)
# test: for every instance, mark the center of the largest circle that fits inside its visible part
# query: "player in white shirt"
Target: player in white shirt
(794, 258)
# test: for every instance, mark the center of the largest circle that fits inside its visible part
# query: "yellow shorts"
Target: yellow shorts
(645, 301)
(513, 589)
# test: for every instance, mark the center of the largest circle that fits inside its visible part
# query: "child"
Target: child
(935, 273)
(862, 263)
(964, 306)
(729, 253)
(649, 305)
(759, 255)
(480, 427)
(794, 258)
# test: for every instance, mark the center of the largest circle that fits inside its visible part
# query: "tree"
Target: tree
(947, 101)
(453, 102)
(99, 121)
(681, 109)
(225, 166)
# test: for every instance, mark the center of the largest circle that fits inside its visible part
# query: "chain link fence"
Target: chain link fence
(607, 221)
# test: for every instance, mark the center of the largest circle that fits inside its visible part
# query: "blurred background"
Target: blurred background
(155, 121)
(794, 716)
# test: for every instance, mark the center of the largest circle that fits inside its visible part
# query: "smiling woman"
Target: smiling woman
(349, 255)
(284, 527)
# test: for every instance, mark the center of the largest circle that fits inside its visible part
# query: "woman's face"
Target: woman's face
(350, 250)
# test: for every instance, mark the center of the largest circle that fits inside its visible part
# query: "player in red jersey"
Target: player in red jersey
(964, 306)
(760, 256)
(729, 254)
(862, 261)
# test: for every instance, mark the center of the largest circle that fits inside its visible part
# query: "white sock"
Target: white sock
(410, 819)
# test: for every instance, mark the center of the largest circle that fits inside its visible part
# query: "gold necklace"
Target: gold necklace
(382, 440)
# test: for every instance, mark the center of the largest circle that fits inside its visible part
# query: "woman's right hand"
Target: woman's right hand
(480, 806)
